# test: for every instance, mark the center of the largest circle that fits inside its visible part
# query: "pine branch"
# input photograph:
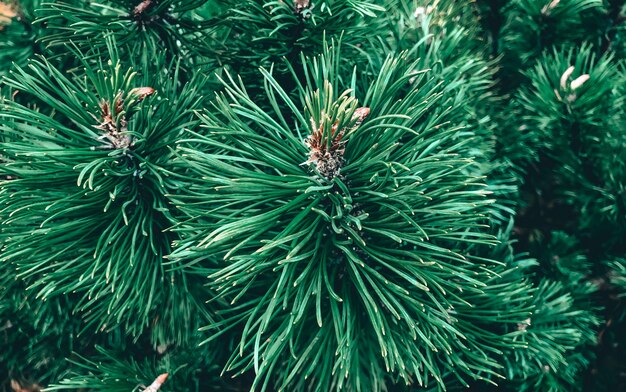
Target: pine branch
(534, 26)
(175, 28)
(558, 336)
(85, 195)
(364, 266)
(17, 35)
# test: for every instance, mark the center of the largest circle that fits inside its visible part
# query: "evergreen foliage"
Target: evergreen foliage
(299, 195)
(532, 26)
(17, 40)
(378, 202)
(171, 27)
(557, 338)
(93, 165)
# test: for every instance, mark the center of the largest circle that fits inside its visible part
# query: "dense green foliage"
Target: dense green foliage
(343, 195)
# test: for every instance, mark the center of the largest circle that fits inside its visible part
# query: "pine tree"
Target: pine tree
(299, 195)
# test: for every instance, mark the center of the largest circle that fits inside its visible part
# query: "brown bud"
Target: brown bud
(360, 114)
(7, 12)
(568, 72)
(16, 386)
(301, 5)
(154, 387)
(141, 92)
(142, 7)
(547, 9)
(579, 81)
